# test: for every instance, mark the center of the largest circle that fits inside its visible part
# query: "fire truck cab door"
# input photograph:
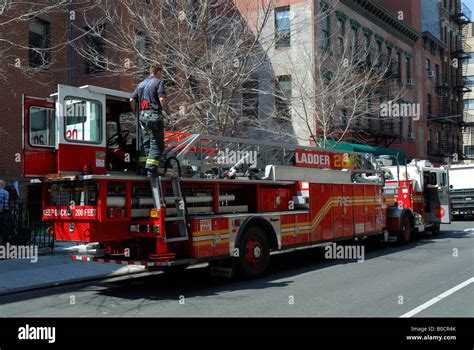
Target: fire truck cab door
(39, 137)
(81, 130)
(444, 212)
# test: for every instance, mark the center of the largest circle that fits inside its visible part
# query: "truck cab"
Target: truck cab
(424, 188)
(94, 124)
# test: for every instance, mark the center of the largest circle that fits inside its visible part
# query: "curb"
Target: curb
(71, 281)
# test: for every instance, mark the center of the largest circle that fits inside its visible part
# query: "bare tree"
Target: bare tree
(337, 91)
(210, 50)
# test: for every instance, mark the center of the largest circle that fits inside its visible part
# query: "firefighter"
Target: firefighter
(4, 198)
(150, 95)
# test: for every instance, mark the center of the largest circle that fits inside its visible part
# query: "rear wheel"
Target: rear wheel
(254, 253)
(406, 230)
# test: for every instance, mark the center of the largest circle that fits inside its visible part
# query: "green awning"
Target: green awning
(376, 151)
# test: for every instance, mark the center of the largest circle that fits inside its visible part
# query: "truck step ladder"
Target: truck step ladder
(180, 204)
(181, 211)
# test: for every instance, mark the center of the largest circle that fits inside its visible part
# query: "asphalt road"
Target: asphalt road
(432, 277)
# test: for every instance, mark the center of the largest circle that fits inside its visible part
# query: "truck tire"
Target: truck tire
(254, 253)
(406, 230)
(435, 229)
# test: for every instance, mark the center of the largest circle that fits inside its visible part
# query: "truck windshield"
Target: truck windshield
(83, 119)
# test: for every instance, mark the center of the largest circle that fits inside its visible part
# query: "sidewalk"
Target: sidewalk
(57, 269)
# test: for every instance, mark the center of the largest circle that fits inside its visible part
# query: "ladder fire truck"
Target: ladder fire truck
(230, 202)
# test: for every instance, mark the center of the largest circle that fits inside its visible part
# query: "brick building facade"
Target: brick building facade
(422, 44)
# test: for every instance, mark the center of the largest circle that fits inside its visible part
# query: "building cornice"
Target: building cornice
(383, 18)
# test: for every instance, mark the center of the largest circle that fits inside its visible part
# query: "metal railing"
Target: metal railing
(18, 229)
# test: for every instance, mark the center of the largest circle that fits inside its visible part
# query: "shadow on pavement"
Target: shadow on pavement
(198, 282)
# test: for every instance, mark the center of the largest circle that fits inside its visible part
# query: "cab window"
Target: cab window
(83, 120)
(42, 126)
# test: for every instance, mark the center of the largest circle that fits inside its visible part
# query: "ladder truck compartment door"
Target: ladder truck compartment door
(39, 137)
(81, 124)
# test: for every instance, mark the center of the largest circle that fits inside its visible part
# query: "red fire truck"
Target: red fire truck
(231, 202)
(423, 188)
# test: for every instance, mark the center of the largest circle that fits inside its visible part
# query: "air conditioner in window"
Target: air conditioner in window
(411, 136)
(411, 82)
(431, 74)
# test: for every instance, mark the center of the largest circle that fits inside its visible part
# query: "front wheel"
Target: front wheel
(406, 230)
(254, 253)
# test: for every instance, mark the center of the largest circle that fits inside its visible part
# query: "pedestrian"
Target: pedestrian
(150, 95)
(4, 198)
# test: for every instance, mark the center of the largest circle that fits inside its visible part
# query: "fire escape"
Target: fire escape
(450, 115)
(383, 131)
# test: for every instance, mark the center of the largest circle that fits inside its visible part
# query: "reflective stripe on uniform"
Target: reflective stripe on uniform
(152, 162)
(142, 159)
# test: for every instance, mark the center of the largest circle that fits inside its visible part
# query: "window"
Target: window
(38, 43)
(439, 138)
(250, 99)
(428, 65)
(170, 66)
(410, 125)
(282, 27)
(341, 34)
(284, 94)
(450, 41)
(429, 105)
(367, 47)
(471, 54)
(142, 49)
(193, 9)
(355, 37)
(437, 74)
(430, 139)
(83, 120)
(341, 28)
(408, 68)
(368, 117)
(469, 151)
(469, 104)
(326, 24)
(343, 118)
(389, 56)
(445, 72)
(469, 80)
(379, 52)
(193, 83)
(95, 50)
(42, 126)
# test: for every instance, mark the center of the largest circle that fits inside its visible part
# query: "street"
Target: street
(431, 277)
